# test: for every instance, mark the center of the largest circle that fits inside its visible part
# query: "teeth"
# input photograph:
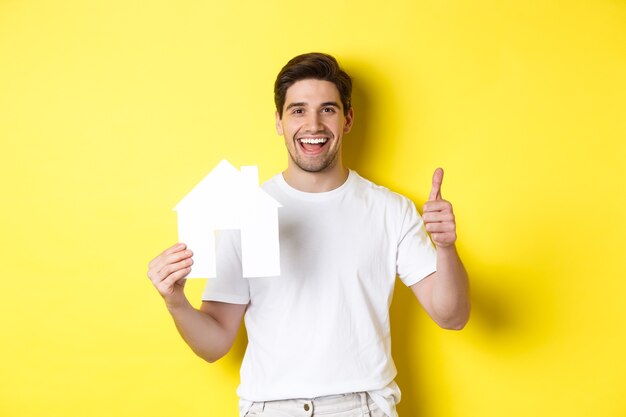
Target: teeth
(313, 141)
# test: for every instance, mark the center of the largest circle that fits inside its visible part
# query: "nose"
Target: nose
(314, 122)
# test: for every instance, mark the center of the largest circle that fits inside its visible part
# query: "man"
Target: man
(319, 339)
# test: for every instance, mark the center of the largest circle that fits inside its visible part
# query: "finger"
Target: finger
(437, 205)
(172, 258)
(172, 249)
(440, 227)
(174, 267)
(158, 275)
(172, 279)
(438, 216)
(435, 191)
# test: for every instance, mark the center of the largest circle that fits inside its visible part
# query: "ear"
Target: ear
(279, 126)
(349, 120)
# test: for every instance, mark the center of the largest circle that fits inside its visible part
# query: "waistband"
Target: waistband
(302, 407)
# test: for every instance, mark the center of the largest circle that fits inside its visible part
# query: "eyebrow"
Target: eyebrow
(303, 104)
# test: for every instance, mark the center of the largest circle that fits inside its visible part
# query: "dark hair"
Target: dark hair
(317, 66)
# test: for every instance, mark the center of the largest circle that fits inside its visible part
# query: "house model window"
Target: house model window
(230, 199)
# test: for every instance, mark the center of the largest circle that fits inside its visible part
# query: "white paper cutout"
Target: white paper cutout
(230, 199)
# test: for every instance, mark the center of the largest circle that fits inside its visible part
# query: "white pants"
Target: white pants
(346, 405)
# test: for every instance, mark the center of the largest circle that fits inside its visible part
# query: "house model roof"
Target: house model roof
(226, 186)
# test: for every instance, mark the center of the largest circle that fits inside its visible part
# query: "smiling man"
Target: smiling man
(313, 122)
(319, 334)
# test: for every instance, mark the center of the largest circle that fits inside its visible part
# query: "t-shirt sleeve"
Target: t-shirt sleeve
(229, 286)
(416, 255)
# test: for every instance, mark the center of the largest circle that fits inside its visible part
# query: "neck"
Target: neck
(315, 182)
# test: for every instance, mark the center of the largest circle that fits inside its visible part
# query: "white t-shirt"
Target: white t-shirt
(322, 326)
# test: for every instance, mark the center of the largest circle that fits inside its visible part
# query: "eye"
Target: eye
(328, 110)
(297, 110)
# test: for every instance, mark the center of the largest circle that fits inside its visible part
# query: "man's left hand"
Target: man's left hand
(438, 216)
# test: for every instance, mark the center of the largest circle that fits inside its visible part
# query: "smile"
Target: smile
(312, 145)
(313, 141)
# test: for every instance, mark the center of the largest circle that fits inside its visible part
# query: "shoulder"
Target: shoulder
(370, 190)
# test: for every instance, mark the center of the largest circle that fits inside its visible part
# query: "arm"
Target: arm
(445, 293)
(211, 330)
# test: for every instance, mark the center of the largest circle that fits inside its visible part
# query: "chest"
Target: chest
(333, 238)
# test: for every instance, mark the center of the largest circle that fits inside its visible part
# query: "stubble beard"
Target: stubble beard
(326, 161)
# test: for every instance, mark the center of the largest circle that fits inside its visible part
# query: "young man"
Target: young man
(319, 338)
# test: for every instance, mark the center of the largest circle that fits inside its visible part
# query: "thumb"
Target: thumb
(435, 192)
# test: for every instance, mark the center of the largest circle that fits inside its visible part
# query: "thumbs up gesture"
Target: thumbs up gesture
(438, 216)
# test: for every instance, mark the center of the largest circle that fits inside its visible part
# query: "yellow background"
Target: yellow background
(111, 111)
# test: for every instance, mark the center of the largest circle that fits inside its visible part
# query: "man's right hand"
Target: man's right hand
(167, 272)
(209, 331)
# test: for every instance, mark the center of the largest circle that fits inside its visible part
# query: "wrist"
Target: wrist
(175, 306)
(446, 250)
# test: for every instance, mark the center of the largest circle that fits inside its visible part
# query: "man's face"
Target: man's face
(313, 124)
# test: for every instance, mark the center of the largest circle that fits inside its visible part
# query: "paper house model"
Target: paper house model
(230, 199)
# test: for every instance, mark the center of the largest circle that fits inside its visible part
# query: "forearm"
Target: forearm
(204, 335)
(450, 292)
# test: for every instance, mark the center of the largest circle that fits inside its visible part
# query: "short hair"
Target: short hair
(317, 66)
